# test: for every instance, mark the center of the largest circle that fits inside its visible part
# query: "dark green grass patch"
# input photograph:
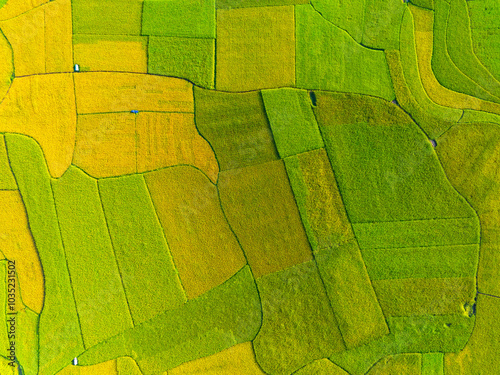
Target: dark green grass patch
(329, 59)
(385, 167)
(236, 126)
(223, 317)
(416, 334)
(189, 58)
(443, 67)
(351, 293)
(110, 17)
(292, 121)
(100, 298)
(422, 262)
(140, 248)
(181, 18)
(261, 209)
(7, 181)
(298, 324)
(459, 43)
(346, 108)
(59, 331)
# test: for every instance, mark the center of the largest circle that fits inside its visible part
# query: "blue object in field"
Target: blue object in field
(77, 68)
(134, 111)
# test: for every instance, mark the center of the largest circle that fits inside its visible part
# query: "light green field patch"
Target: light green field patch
(432, 126)
(348, 16)
(292, 121)
(298, 325)
(59, 332)
(189, 58)
(410, 297)
(459, 43)
(7, 180)
(382, 22)
(427, 4)
(321, 367)
(127, 366)
(140, 248)
(471, 116)
(408, 364)
(351, 294)
(402, 179)
(480, 354)
(91, 261)
(416, 334)
(223, 317)
(318, 199)
(432, 364)
(259, 199)
(337, 253)
(180, 18)
(329, 59)
(110, 17)
(236, 126)
(409, 64)
(422, 262)
(417, 233)
(470, 154)
(485, 44)
(485, 28)
(443, 67)
(27, 341)
(229, 4)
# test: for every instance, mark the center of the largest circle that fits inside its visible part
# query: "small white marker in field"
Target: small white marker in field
(77, 68)
(75, 361)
